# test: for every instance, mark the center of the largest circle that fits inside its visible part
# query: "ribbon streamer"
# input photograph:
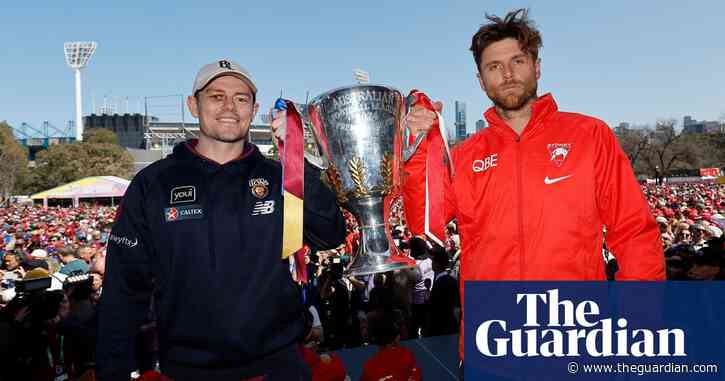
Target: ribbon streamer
(438, 169)
(291, 150)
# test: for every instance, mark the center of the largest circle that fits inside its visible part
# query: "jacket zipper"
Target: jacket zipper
(519, 193)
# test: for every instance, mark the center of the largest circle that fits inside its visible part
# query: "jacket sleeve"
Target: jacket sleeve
(632, 232)
(127, 287)
(414, 191)
(323, 223)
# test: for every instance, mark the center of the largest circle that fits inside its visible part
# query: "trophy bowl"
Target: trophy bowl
(356, 128)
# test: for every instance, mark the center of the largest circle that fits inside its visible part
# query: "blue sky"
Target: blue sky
(617, 60)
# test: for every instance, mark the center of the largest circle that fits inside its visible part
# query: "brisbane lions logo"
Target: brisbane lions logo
(558, 153)
(259, 187)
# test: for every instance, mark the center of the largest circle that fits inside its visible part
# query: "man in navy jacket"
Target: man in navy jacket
(201, 231)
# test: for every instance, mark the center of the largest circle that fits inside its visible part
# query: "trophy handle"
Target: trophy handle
(320, 158)
(409, 149)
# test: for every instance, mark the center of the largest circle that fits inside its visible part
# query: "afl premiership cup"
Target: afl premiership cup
(358, 131)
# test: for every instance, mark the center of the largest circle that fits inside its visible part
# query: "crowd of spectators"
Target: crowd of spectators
(53, 264)
(691, 218)
(424, 299)
(50, 281)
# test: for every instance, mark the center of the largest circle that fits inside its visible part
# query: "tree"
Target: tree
(13, 163)
(635, 143)
(108, 160)
(710, 149)
(57, 165)
(63, 163)
(663, 149)
(100, 135)
(667, 151)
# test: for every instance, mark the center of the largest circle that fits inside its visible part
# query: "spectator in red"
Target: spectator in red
(325, 367)
(392, 362)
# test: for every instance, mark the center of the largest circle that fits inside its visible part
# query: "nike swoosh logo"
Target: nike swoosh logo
(549, 181)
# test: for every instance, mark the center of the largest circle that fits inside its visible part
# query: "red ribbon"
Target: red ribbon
(300, 265)
(292, 154)
(319, 134)
(291, 150)
(438, 173)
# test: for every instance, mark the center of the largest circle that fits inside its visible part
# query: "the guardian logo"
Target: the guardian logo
(570, 329)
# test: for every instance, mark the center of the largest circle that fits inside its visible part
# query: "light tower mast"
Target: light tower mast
(77, 55)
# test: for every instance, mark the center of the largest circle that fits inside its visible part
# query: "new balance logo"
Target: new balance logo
(549, 181)
(263, 207)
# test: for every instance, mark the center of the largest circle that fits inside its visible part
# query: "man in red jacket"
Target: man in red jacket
(532, 193)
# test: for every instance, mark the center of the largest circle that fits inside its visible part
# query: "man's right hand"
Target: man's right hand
(420, 120)
(277, 125)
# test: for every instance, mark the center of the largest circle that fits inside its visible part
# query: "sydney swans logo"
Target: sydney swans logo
(557, 338)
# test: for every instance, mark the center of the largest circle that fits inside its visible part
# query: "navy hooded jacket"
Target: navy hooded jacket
(205, 239)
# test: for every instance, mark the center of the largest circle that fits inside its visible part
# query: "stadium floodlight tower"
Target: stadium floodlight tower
(77, 55)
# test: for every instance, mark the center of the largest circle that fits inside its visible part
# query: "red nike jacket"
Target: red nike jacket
(532, 207)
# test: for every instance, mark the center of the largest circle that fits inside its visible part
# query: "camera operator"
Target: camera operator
(36, 350)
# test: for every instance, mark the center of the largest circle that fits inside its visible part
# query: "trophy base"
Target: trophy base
(373, 264)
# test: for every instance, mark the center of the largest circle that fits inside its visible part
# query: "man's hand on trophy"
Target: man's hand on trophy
(420, 120)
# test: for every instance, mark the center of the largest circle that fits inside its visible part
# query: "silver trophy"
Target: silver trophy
(355, 128)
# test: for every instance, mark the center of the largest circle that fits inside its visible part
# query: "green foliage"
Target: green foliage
(108, 160)
(100, 135)
(59, 164)
(96, 156)
(13, 163)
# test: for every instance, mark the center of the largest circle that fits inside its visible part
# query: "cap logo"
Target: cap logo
(225, 65)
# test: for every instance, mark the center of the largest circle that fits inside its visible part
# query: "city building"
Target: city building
(460, 121)
(480, 125)
(621, 128)
(692, 126)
